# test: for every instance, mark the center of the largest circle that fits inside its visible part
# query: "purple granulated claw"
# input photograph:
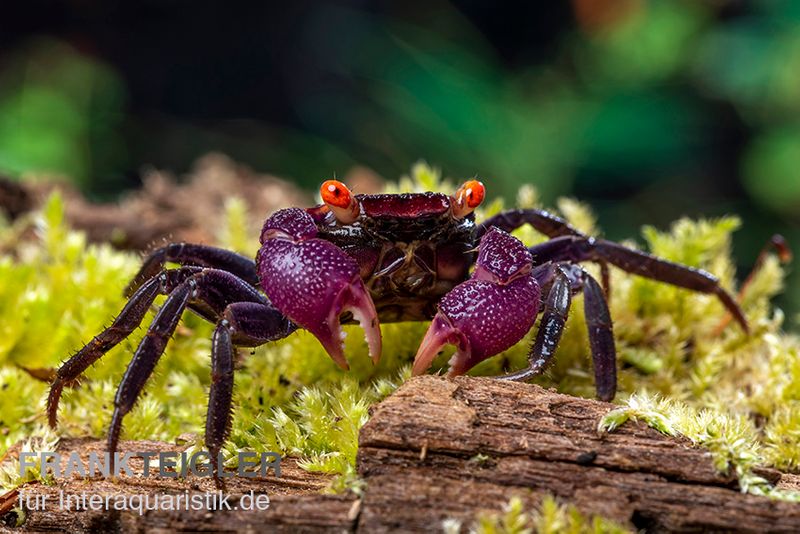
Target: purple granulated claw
(501, 257)
(293, 223)
(313, 282)
(488, 313)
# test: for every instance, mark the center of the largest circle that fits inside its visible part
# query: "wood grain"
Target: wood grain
(441, 449)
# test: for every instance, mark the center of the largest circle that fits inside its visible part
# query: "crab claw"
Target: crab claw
(488, 313)
(314, 282)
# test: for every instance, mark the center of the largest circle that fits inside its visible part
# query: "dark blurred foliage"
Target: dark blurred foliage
(648, 110)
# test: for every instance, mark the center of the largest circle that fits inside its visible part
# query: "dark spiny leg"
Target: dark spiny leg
(599, 326)
(128, 319)
(220, 395)
(551, 326)
(554, 250)
(147, 355)
(543, 221)
(247, 324)
(644, 264)
(566, 279)
(777, 243)
(579, 249)
(601, 338)
(212, 290)
(781, 248)
(605, 278)
(209, 288)
(220, 288)
(200, 255)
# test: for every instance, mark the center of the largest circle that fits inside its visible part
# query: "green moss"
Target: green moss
(550, 517)
(57, 291)
(10, 477)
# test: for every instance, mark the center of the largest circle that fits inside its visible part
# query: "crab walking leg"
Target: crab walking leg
(204, 287)
(578, 249)
(605, 277)
(570, 279)
(199, 255)
(601, 338)
(145, 358)
(551, 326)
(219, 289)
(599, 328)
(126, 322)
(244, 324)
(220, 395)
(542, 221)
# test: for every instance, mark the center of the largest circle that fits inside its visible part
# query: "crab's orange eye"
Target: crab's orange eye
(340, 200)
(468, 197)
(473, 193)
(335, 193)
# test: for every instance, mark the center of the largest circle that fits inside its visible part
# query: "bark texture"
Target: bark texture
(447, 449)
(442, 449)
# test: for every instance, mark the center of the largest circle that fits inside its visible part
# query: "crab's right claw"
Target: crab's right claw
(481, 319)
(313, 282)
(488, 313)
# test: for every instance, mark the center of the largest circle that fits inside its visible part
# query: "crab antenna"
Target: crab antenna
(468, 197)
(340, 201)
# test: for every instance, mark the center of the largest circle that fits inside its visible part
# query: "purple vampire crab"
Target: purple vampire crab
(372, 259)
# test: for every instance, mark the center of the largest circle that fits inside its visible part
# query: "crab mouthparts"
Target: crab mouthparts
(441, 333)
(355, 299)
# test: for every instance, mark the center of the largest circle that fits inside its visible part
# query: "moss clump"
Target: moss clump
(57, 291)
(10, 476)
(549, 517)
(730, 438)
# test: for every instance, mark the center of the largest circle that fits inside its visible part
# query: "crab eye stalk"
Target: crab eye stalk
(468, 197)
(340, 201)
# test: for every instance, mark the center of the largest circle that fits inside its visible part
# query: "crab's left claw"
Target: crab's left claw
(488, 313)
(313, 282)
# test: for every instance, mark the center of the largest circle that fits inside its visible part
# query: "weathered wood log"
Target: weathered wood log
(440, 449)
(447, 449)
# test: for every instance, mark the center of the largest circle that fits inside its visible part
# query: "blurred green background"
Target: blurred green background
(647, 110)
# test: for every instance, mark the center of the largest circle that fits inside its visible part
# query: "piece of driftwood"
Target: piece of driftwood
(440, 449)
(448, 449)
